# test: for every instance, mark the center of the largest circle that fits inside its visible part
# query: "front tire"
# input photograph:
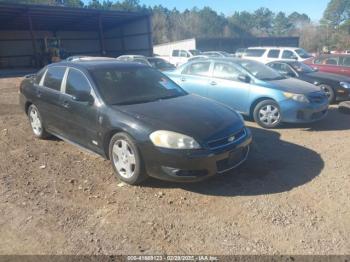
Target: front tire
(329, 92)
(36, 122)
(126, 159)
(267, 114)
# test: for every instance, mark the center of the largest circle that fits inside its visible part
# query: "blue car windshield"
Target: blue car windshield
(260, 71)
(135, 85)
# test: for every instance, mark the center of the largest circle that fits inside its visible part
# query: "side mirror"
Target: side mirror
(83, 97)
(244, 78)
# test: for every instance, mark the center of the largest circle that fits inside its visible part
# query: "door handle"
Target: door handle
(183, 79)
(213, 83)
(66, 104)
(38, 94)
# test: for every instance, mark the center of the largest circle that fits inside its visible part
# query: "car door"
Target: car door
(48, 94)
(81, 117)
(345, 65)
(195, 78)
(329, 64)
(226, 87)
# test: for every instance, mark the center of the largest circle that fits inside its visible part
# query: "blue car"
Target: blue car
(254, 90)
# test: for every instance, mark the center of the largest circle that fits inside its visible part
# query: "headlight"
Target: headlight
(345, 84)
(169, 139)
(296, 97)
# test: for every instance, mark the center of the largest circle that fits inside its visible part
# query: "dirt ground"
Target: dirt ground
(291, 197)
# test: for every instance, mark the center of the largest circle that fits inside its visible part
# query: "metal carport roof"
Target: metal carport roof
(55, 18)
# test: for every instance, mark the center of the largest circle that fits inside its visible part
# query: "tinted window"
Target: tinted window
(259, 70)
(39, 75)
(288, 54)
(175, 53)
(302, 53)
(331, 61)
(53, 78)
(283, 68)
(254, 52)
(273, 53)
(225, 71)
(200, 69)
(301, 67)
(183, 53)
(134, 85)
(160, 63)
(76, 82)
(346, 61)
(140, 61)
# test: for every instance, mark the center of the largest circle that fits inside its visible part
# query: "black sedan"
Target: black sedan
(337, 87)
(136, 117)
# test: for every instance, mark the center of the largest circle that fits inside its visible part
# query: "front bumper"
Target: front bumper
(194, 165)
(296, 112)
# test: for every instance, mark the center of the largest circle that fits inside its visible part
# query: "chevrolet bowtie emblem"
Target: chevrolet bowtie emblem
(231, 138)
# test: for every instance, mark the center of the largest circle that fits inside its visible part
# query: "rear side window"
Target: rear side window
(76, 83)
(273, 53)
(200, 69)
(288, 54)
(39, 75)
(53, 78)
(254, 52)
(175, 53)
(331, 61)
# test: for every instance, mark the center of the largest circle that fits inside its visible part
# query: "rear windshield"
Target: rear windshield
(121, 86)
(254, 52)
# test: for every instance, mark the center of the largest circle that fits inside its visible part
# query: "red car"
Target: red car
(334, 63)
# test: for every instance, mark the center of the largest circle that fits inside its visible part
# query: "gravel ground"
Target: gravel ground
(291, 197)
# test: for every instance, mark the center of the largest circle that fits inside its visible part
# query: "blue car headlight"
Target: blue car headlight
(296, 97)
(345, 84)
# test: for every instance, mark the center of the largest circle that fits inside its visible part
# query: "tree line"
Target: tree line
(332, 31)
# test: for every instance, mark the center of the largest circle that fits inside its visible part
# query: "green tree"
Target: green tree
(281, 24)
(337, 12)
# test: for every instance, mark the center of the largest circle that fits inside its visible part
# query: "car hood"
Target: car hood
(191, 115)
(293, 85)
(329, 76)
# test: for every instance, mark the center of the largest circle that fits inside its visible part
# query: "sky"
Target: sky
(313, 8)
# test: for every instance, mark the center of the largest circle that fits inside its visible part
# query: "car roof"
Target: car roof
(94, 64)
(273, 47)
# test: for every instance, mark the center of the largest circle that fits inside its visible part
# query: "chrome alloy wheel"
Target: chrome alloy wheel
(124, 158)
(269, 115)
(35, 121)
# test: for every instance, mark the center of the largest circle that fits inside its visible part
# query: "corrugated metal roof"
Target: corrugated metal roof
(57, 18)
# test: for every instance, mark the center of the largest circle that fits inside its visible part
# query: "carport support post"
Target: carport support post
(102, 40)
(32, 36)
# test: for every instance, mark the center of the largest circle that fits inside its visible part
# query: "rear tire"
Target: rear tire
(267, 114)
(329, 92)
(126, 159)
(36, 122)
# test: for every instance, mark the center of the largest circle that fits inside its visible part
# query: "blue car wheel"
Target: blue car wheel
(267, 114)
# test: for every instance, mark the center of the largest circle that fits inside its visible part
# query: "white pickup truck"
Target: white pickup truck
(180, 56)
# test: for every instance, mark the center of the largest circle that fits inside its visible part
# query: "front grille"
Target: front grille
(317, 97)
(225, 141)
(236, 157)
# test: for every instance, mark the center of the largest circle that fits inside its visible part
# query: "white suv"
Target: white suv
(269, 54)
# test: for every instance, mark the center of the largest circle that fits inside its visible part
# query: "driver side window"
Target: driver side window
(288, 54)
(76, 83)
(225, 71)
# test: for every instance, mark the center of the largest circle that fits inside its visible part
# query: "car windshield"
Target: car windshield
(260, 71)
(302, 68)
(302, 53)
(160, 63)
(195, 52)
(122, 86)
